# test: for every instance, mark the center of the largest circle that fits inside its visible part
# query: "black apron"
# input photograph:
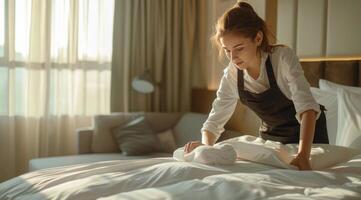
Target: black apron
(277, 112)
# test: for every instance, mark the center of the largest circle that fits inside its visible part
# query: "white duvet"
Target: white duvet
(166, 178)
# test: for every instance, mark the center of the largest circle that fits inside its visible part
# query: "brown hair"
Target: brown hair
(242, 19)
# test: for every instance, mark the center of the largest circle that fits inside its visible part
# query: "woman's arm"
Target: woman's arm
(307, 131)
(208, 138)
(307, 109)
(222, 109)
(223, 106)
(298, 87)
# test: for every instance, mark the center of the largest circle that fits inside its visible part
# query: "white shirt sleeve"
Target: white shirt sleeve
(223, 106)
(299, 87)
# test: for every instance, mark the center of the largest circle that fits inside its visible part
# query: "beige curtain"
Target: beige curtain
(54, 76)
(166, 37)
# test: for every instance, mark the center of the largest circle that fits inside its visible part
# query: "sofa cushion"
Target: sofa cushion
(103, 140)
(188, 128)
(136, 138)
(167, 141)
(43, 163)
(162, 121)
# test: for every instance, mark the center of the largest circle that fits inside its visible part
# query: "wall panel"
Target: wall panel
(344, 28)
(311, 31)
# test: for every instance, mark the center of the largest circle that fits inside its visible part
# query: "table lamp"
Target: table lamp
(143, 83)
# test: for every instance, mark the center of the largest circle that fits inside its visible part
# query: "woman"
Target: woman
(269, 80)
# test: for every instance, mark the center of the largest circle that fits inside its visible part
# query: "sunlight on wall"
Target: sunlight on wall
(2, 27)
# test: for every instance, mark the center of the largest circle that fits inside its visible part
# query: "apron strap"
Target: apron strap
(240, 81)
(270, 73)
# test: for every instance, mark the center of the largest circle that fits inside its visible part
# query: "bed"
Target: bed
(167, 178)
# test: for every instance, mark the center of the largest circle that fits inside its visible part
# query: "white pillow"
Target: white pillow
(331, 86)
(329, 100)
(349, 124)
(276, 154)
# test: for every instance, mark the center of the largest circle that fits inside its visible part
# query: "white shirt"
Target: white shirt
(289, 77)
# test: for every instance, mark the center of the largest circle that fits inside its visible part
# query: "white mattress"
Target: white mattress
(165, 178)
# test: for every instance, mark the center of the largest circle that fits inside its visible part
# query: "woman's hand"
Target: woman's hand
(191, 145)
(301, 162)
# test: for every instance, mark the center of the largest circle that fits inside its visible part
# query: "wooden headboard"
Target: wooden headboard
(244, 120)
(343, 72)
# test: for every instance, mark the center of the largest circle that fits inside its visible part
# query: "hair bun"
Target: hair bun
(244, 5)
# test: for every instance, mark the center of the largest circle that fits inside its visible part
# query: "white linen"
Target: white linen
(101, 179)
(276, 154)
(332, 87)
(258, 150)
(290, 79)
(349, 112)
(165, 178)
(272, 184)
(349, 124)
(221, 154)
(329, 100)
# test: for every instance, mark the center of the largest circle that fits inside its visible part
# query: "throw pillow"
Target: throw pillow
(103, 140)
(136, 138)
(167, 141)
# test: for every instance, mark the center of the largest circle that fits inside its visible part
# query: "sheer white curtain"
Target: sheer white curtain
(55, 58)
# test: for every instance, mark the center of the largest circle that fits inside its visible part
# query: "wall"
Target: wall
(322, 28)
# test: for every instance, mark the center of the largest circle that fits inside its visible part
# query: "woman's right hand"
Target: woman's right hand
(192, 145)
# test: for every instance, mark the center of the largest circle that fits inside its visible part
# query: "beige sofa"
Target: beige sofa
(97, 144)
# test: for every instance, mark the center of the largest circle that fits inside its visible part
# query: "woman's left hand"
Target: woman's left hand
(301, 162)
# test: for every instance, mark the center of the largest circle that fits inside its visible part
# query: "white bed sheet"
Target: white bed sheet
(165, 178)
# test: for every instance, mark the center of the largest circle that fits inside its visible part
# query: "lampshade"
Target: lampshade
(143, 83)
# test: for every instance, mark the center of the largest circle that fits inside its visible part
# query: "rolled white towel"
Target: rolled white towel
(219, 154)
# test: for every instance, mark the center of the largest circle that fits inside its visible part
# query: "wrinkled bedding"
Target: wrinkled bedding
(166, 178)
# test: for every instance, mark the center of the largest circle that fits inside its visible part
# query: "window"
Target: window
(55, 57)
(90, 48)
(22, 29)
(3, 89)
(2, 27)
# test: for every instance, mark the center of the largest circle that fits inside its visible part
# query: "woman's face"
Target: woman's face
(242, 51)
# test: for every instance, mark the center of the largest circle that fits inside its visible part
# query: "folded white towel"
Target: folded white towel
(219, 154)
